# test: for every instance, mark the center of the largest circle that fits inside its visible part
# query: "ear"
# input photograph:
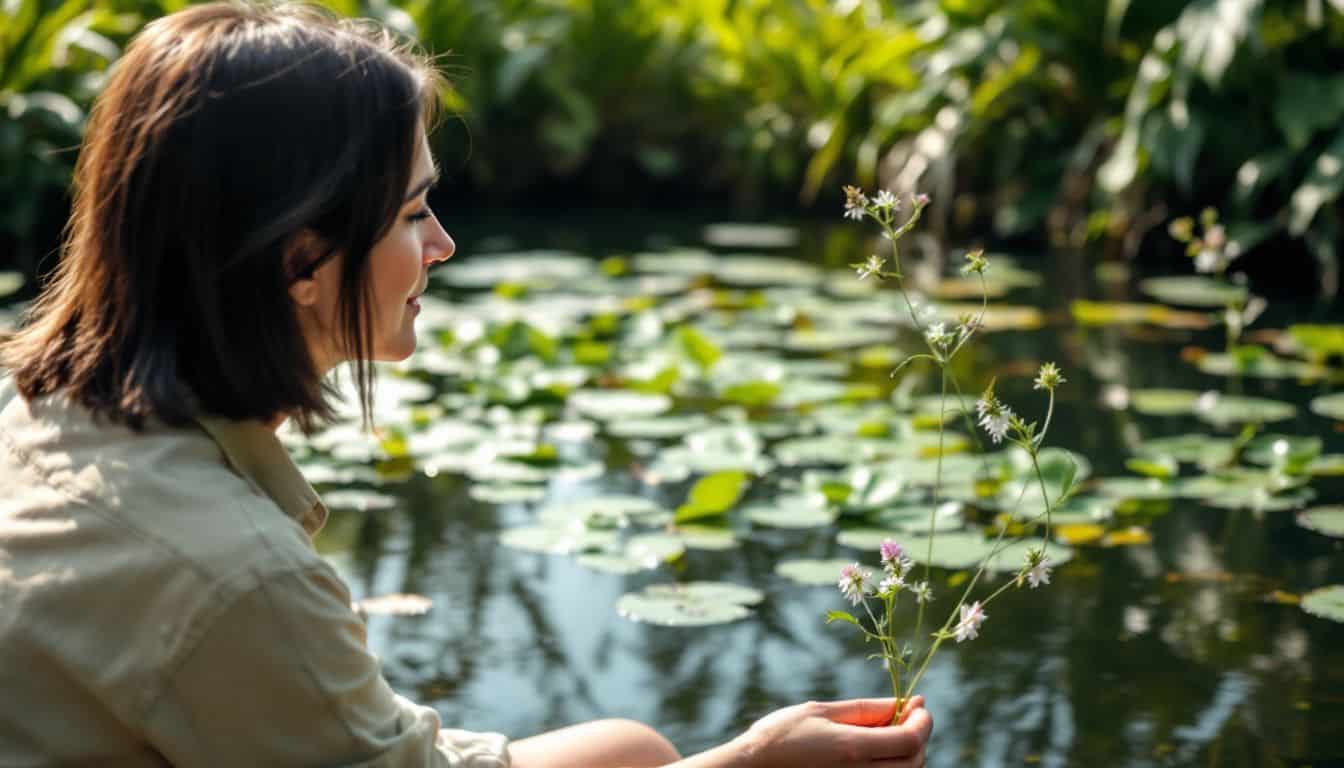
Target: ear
(303, 249)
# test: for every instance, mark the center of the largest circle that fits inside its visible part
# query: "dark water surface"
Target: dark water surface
(1168, 654)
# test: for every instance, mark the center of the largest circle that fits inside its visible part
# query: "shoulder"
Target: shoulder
(167, 492)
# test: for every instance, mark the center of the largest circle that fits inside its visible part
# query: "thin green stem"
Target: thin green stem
(937, 484)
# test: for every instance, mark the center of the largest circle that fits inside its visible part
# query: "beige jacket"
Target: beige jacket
(161, 603)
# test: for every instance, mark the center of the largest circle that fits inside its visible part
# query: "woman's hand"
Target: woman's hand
(840, 733)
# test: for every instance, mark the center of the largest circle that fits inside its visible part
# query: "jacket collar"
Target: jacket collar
(254, 451)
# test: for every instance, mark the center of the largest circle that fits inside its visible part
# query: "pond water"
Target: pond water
(1175, 639)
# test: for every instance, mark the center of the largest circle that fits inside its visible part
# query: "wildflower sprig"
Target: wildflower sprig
(864, 587)
(1213, 252)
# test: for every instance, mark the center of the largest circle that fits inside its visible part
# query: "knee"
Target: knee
(642, 745)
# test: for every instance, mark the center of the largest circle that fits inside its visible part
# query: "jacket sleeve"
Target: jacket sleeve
(282, 677)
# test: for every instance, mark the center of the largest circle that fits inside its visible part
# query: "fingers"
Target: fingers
(896, 742)
(865, 712)
(914, 761)
(911, 705)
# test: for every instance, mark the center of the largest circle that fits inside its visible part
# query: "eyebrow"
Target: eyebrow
(423, 185)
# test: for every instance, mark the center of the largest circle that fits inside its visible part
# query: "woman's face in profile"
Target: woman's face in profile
(399, 263)
(398, 273)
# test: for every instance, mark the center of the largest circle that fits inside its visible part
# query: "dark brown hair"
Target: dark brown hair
(226, 133)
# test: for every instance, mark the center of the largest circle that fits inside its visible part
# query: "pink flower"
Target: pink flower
(855, 582)
(891, 551)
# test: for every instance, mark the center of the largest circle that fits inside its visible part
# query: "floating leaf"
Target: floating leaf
(1164, 402)
(1263, 366)
(615, 404)
(1161, 467)
(1326, 602)
(1193, 291)
(1295, 452)
(1191, 448)
(790, 512)
(657, 428)
(1329, 406)
(506, 493)
(1226, 410)
(812, 572)
(10, 282)
(753, 394)
(556, 540)
(1127, 537)
(954, 550)
(698, 347)
(694, 604)
(1328, 521)
(742, 235)
(713, 495)
(1079, 533)
(640, 553)
(362, 501)
(707, 537)
(1096, 313)
(1012, 555)
(613, 511)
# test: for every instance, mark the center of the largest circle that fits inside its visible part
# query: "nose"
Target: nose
(439, 246)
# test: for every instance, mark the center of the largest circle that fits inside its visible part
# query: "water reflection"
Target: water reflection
(1161, 655)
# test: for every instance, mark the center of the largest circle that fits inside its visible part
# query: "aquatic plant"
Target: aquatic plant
(999, 421)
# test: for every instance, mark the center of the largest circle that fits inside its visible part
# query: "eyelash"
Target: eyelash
(419, 215)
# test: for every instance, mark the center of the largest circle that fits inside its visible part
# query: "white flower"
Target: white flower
(995, 418)
(873, 266)
(890, 585)
(855, 213)
(972, 617)
(1049, 377)
(922, 592)
(855, 582)
(886, 200)
(938, 336)
(1208, 260)
(1039, 573)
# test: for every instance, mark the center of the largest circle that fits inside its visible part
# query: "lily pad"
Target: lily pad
(744, 235)
(10, 282)
(361, 501)
(765, 270)
(506, 493)
(712, 538)
(790, 512)
(616, 404)
(1190, 448)
(1326, 602)
(522, 268)
(1265, 366)
(1277, 450)
(640, 553)
(1164, 402)
(812, 572)
(557, 540)
(1193, 291)
(657, 428)
(1226, 410)
(1013, 554)
(613, 511)
(694, 604)
(1329, 406)
(1327, 521)
(1137, 488)
(954, 550)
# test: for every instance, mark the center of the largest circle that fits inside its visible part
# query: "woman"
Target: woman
(249, 212)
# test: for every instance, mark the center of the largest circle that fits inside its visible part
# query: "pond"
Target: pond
(556, 415)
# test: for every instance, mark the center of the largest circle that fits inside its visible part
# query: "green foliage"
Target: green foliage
(1084, 119)
(713, 495)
